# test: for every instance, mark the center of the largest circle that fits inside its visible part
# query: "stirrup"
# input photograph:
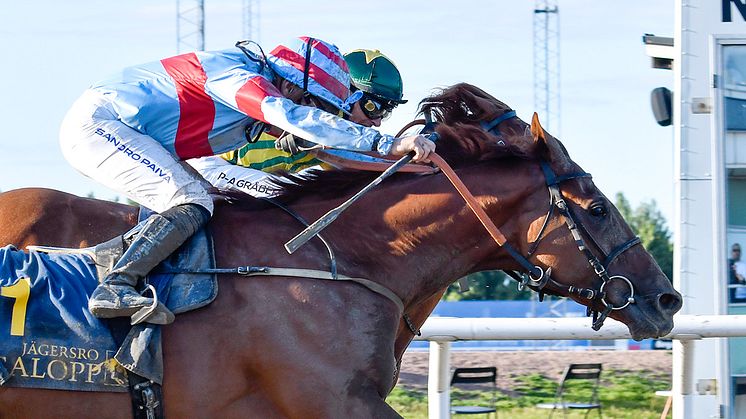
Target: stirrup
(156, 313)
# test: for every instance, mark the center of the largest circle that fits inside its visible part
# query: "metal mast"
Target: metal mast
(547, 65)
(547, 103)
(251, 20)
(190, 25)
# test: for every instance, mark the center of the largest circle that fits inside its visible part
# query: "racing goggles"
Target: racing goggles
(373, 108)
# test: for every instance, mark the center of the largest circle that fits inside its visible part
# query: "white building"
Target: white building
(709, 119)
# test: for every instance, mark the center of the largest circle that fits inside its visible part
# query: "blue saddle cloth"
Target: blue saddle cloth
(49, 339)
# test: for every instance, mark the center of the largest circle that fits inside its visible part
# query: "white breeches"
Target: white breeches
(225, 175)
(101, 147)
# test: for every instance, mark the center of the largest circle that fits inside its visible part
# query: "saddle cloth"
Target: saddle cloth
(49, 339)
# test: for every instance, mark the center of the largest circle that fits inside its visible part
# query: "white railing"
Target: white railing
(441, 331)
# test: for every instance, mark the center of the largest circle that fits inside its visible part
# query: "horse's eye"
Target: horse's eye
(598, 210)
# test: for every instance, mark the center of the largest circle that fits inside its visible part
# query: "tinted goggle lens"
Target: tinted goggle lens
(374, 109)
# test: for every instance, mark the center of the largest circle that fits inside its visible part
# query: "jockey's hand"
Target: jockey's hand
(421, 146)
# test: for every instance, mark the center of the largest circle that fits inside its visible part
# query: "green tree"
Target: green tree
(488, 285)
(648, 223)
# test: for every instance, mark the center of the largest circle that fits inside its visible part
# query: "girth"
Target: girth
(298, 273)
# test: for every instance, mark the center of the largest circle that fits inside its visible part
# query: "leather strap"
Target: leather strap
(469, 198)
(489, 126)
(410, 125)
(312, 273)
(296, 272)
(369, 166)
(477, 209)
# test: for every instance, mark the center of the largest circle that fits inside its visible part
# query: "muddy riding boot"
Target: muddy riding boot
(160, 236)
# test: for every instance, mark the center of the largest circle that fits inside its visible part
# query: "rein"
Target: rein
(537, 278)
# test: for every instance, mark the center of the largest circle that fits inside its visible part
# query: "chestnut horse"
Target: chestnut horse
(294, 347)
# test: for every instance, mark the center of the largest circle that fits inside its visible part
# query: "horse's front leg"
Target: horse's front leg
(333, 383)
(323, 349)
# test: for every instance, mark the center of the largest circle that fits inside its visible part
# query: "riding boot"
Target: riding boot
(161, 235)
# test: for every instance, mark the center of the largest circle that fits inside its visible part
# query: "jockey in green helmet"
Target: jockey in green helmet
(249, 168)
(380, 81)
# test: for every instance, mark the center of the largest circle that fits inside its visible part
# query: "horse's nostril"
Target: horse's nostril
(670, 302)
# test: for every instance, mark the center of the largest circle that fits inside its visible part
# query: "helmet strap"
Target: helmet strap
(261, 61)
(307, 65)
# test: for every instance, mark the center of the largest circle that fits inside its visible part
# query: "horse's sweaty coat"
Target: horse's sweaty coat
(290, 347)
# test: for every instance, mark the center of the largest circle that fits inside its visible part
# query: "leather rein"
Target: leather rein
(533, 277)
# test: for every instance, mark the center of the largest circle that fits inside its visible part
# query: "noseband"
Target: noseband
(537, 278)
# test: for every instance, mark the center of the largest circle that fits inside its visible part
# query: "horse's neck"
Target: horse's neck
(414, 236)
(418, 243)
(419, 311)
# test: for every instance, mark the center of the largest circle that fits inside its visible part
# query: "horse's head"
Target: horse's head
(566, 228)
(590, 247)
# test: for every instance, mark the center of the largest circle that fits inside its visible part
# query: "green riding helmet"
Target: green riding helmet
(375, 74)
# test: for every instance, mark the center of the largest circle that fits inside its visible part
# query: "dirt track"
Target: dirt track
(548, 363)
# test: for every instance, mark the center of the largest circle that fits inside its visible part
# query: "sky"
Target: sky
(53, 50)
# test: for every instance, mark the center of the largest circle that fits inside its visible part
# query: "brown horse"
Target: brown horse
(293, 347)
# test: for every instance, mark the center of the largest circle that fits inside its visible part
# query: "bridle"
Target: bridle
(537, 278)
(533, 277)
(538, 281)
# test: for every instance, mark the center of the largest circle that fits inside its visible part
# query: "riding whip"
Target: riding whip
(320, 224)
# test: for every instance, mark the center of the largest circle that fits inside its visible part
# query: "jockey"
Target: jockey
(380, 81)
(132, 132)
(249, 168)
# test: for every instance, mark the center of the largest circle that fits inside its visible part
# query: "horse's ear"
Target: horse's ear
(536, 129)
(548, 147)
(540, 138)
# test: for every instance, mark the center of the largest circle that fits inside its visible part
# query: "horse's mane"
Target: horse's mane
(458, 110)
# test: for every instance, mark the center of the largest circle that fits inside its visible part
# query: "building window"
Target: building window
(734, 85)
